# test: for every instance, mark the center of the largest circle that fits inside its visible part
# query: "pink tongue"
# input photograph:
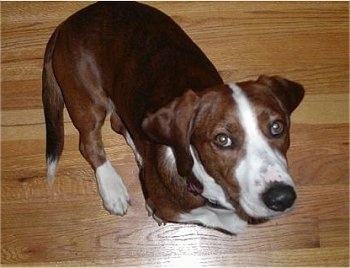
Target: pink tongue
(194, 187)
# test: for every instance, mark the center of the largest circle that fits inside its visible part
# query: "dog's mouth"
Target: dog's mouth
(239, 210)
(277, 199)
(194, 186)
(270, 194)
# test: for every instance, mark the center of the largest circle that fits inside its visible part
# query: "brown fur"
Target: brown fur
(164, 90)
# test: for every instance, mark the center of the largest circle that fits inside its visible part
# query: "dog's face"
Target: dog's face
(234, 139)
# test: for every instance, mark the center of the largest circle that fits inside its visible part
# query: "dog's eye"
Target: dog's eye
(277, 128)
(222, 140)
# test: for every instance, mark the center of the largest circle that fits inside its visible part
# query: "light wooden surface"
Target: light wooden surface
(66, 225)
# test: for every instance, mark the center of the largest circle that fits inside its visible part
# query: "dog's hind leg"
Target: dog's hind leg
(80, 79)
(111, 187)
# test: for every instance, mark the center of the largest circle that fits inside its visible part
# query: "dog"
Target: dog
(209, 153)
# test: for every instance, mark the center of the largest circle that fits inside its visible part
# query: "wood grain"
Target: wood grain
(66, 225)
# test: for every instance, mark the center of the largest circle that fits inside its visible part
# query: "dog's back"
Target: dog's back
(123, 57)
(135, 40)
(200, 160)
(138, 55)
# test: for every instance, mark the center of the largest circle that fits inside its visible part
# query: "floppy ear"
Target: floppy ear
(289, 93)
(172, 125)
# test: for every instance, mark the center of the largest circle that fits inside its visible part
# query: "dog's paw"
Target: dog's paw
(151, 212)
(112, 190)
(115, 199)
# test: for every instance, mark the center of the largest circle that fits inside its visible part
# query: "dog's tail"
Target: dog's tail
(53, 110)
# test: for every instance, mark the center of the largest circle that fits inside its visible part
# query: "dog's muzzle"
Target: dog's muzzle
(279, 197)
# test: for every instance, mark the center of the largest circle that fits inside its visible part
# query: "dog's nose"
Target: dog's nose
(279, 197)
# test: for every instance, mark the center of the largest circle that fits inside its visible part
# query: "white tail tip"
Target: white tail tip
(51, 171)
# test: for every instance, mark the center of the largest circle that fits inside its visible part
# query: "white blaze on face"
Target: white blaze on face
(260, 165)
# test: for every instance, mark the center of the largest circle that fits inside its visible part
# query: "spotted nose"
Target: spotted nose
(279, 197)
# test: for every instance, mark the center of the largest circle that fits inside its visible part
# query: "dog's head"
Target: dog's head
(233, 139)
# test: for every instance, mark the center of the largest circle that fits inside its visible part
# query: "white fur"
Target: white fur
(51, 171)
(211, 190)
(260, 162)
(169, 157)
(225, 219)
(112, 189)
(215, 218)
(131, 143)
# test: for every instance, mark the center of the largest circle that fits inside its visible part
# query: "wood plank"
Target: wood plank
(66, 225)
(330, 164)
(308, 112)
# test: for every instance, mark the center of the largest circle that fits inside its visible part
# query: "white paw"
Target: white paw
(112, 189)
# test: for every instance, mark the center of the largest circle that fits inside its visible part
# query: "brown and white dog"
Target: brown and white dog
(209, 153)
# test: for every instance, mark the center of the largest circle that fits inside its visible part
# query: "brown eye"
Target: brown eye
(277, 128)
(222, 140)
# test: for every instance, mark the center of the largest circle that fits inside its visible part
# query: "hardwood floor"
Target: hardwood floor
(66, 225)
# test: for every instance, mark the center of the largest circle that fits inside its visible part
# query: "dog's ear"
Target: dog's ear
(289, 93)
(172, 125)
